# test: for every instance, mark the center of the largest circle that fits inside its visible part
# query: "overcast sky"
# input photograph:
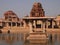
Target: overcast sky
(23, 7)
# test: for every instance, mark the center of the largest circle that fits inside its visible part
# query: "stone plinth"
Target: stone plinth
(36, 37)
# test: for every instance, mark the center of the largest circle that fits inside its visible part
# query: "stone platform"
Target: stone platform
(37, 37)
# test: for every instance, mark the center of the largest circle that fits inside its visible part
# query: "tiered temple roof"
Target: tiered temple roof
(10, 15)
(37, 10)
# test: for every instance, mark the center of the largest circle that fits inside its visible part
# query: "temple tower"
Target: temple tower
(37, 10)
(10, 16)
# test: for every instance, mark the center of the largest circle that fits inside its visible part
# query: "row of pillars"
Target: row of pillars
(7, 24)
(44, 24)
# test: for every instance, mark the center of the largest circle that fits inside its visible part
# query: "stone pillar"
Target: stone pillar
(43, 26)
(46, 24)
(52, 24)
(11, 24)
(0, 23)
(24, 23)
(41, 22)
(16, 24)
(30, 25)
(34, 24)
(7, 24)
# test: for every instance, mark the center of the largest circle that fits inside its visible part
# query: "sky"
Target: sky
(23, 7)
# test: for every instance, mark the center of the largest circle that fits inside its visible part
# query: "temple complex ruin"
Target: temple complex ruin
(36, 21)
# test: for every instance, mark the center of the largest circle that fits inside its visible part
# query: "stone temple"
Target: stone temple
(37, 25)
(36, 21)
